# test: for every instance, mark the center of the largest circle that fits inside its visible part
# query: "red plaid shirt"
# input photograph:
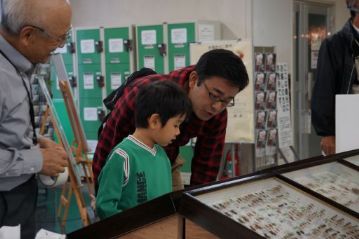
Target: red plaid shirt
(210, 134)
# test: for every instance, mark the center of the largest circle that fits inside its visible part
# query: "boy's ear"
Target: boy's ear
(154, 121)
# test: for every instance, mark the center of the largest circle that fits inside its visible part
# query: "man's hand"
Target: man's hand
(46, 143)
(327, 145)
(55, 158)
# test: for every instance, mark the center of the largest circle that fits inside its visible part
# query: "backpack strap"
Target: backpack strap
(111, 99)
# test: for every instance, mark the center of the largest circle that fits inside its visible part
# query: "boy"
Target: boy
(138, 168)
(211, 86)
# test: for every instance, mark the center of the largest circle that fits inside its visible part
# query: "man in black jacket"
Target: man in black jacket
(336, 75)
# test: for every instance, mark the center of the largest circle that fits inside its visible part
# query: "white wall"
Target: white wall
(271, 19)
(234, 14)
(272, 26)
(342, 14)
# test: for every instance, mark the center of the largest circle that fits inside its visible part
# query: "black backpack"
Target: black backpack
(111, 99)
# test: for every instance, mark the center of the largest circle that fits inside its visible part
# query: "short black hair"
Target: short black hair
(222, 63)
(165, 98)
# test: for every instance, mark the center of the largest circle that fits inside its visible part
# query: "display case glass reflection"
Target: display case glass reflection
(275, 209)
(354, 160)
(332, 180)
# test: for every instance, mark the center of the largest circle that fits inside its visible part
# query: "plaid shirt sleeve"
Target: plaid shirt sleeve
(209, 149)
(119, 125)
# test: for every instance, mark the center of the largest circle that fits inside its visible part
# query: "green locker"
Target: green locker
(90, 82)
(179, 36)
(151, 47)
(89, 46)
(61, 111)
(117, 45)
(115, 76)
(68, 50)
(55, 89)
(186, 152)
(91, 135)
(90, 113)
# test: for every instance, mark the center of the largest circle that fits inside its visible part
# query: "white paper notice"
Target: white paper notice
(89, 81)
(45, 234)
(179, 36)
(206, 32)
(285, 133)
(90, 114)
(149, 62)
(87, 46)
(115, 80)
(115, 45)
(92, 145)
(148, 37)
(346, 123)
(10, 232)
(180, 62)
(62, 50)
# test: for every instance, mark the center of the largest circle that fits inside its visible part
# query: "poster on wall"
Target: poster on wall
(240, 128)
(285, 134)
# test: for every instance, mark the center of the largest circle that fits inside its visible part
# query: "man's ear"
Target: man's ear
(193, 78)
(154, 121)
(26, 35)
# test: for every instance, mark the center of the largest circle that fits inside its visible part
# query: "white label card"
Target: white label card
(62, 50)
(92, 145)
(206, 32)
(148, 37)
(179, 36)
(88, 46)
(115, 45)
(116, 80)
(89, 81)
(179, 62)
(149, 62)
(90, 114)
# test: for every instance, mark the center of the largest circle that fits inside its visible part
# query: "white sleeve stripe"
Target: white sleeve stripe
(126, 165)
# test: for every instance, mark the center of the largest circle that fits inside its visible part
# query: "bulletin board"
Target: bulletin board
(240, 127)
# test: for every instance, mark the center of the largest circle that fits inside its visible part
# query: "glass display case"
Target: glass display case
(316, 198)
(158, 218)
(334, 181)
(312, 198)
(273, 208)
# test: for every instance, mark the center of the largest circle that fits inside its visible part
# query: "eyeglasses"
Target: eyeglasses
(59, 39)
(215, 98)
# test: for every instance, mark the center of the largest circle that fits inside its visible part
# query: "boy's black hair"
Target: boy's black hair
(165, 98)
(222, 63)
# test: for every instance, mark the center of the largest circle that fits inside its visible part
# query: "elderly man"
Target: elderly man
(30, 30)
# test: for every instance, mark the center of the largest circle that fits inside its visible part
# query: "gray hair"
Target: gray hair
(15, 15)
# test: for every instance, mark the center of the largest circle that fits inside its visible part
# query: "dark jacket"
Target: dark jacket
(335, 75)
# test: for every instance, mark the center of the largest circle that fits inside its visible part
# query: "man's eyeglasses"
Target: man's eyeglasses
(215, 98)
(59, 39)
